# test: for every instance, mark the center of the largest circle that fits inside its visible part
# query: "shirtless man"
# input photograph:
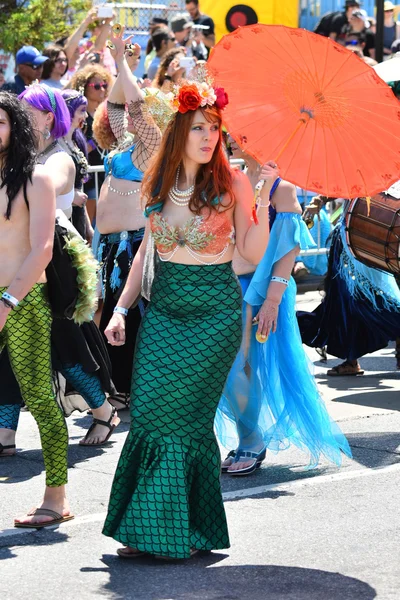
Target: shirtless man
(26, 239)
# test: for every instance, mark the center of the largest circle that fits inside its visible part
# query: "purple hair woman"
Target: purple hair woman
(52, 121)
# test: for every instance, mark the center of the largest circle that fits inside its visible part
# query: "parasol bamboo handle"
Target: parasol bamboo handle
(301, 122)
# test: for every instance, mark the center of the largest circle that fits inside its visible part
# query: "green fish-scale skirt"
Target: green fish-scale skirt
(166, 496)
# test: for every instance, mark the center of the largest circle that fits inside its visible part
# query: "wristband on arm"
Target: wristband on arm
(280, 280)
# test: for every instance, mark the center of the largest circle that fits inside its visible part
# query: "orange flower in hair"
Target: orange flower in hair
(189, 98)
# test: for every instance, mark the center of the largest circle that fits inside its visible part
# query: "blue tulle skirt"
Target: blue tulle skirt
(360, 312)
(271, 398)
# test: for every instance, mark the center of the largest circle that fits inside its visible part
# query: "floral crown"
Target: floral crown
(188, 95)
(191, 95)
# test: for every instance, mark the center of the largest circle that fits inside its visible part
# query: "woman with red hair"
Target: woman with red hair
(166, 498)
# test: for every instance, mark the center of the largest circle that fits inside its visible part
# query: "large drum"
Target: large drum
(374, 237)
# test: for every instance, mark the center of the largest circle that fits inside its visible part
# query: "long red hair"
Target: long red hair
(212, 180)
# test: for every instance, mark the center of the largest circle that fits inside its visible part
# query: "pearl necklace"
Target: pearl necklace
(180, 197)
(113, 189)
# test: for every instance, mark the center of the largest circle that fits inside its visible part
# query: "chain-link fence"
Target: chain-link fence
(136, 16)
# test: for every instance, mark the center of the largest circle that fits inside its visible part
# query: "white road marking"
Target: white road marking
(245, 493)
(307, 481)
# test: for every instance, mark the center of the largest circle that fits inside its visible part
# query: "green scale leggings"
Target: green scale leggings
(27, 337)
(166, 496)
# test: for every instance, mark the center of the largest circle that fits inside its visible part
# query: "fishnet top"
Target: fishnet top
(147, 136)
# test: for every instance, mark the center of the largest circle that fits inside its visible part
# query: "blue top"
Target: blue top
(153, 67)
(121, 166)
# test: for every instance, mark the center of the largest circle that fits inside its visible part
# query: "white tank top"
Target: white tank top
(64, 202)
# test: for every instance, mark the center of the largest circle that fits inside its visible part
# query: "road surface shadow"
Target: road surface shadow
(29, 463)
(389, 399)
(42, 537)
(201, 579)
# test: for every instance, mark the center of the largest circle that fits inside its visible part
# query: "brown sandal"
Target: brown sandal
(57, 519)
(345, 369)
(125, 553)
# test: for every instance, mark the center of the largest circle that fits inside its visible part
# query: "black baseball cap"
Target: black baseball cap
(158, 21)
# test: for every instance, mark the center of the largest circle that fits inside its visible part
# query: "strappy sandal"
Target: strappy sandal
(232, 454)
(345, 369)
(56, 519)
(123, 399)
(105, 424)
(257, 457)
(7, 454)
(322, 353)
(397, 355)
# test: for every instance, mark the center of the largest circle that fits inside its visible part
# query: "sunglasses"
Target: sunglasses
(98, 86)
(34, 67)
(61, 60)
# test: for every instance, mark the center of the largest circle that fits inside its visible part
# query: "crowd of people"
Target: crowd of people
(355, 29)
(196, 330)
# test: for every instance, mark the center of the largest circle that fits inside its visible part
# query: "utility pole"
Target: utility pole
(379, 30)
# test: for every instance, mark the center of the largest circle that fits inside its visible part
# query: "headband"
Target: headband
(51, 97)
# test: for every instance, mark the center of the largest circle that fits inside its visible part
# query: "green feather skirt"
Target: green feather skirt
(166, 497)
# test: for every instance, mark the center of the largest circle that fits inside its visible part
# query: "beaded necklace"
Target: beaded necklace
(79, 158)
(180, 197)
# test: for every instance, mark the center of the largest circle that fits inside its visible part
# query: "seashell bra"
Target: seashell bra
(203, 238)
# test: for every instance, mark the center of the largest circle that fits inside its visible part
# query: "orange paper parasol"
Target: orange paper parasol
(326, 118)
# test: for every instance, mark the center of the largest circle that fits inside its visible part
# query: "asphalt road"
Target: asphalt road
(296, 534)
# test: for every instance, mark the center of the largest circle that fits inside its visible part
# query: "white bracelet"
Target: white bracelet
(10, 299)
(280, 280)
(121, 310)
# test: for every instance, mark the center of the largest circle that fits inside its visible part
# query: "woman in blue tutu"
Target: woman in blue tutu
(271, 400)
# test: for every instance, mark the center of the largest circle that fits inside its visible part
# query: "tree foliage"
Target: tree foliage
(36, 22)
